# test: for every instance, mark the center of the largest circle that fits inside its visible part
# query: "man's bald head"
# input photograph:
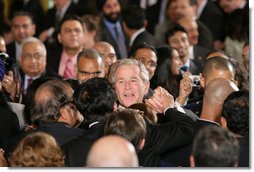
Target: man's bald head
(112, 151)
(216, 93)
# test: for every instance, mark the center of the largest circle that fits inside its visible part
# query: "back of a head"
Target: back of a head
(37, 150)
(95, 98)
(214, 146)
(215, 94)
(129, 124)
(236, 112)
(134, 17)
(217, 63)
(112, 151)
(49, 98)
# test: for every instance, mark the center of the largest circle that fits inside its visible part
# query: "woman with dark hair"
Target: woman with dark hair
(167, 72)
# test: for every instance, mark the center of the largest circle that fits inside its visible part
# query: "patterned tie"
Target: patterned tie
(68, 71)
(121, 43)
(184, 69)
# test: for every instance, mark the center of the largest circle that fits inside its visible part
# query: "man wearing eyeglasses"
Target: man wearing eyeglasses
(89, 65)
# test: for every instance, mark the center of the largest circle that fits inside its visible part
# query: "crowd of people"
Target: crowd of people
(107, 83)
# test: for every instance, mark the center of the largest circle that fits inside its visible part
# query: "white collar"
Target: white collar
(134, 36)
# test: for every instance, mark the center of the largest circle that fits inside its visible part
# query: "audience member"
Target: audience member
(177, 37)
(91, 30)
(214, 147)
(147, 54)
(134, 25)
(89, 64)
(229, 6)
(22, 27)
(94, 98)
(195, 50)
(167, 73)
(111, 27)
(63, 59)
(108, 53)
(32, 6)
(124, 154)
(37, 150)
(235, 117)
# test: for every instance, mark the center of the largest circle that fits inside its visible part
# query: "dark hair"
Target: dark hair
(214, 146)
(90, 53)
(129, 124)
(141, 46)
(67, 18)
(172, 30)
(95, 98)
(218, 63)
(23, 13)
(147, 111)
(236, 112)
(134, 17)
(163, 75)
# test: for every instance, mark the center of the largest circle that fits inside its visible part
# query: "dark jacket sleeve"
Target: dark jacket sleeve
(176, 132)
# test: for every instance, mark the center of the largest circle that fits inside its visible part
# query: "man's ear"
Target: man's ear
(63, 113)
(142, 144)
(192, 161)
(147, 85)
(59, 37)
(202, 81)
(223, 122)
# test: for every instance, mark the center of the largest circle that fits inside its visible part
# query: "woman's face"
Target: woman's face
(176, 63)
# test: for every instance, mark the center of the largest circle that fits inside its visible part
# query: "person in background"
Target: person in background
(89, 65)
(119, 153)
(37, 150)
(214, 146)
(108, 54)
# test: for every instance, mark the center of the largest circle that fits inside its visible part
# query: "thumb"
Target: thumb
(10, 74)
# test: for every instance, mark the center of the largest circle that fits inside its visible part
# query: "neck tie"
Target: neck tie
(120, 40)
(184, 69)
(29, 81)
(68, 70)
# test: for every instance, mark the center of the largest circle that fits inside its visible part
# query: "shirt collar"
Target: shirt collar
(134, 36)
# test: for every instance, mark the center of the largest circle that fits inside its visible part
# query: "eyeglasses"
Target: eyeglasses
(37, 56)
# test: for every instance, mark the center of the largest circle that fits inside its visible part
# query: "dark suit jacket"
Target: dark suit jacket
(9, 126)
(205, 38)
(180, 157)
(11, 51)
(195, 67)
(214, 19)
(244, 152)
(76, 151)
(200, 53)
(105, 35)
(53, 57)
(144, 37)
(160, 138)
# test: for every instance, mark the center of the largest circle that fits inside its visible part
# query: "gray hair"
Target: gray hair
(33, 40)
(143, 72)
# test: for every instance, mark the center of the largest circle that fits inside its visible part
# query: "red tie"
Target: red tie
(68, 72)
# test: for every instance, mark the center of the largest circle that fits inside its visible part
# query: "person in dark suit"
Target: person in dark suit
(22, 27)
(177, 37)
(212, 16)
(52, 20)
(111, 27)
(235, 117)
(94, 99)
(53, 112)
(62, 58)
(32, 6)
(215, 93)
(134, 24)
